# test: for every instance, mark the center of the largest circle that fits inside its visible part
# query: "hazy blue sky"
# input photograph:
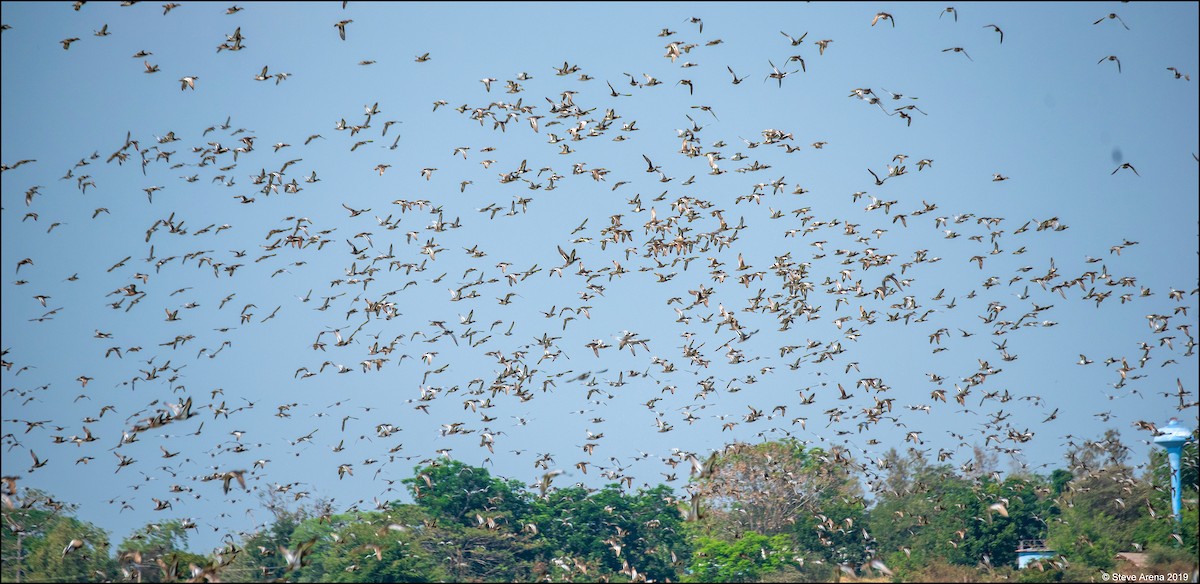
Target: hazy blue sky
(1016, 306)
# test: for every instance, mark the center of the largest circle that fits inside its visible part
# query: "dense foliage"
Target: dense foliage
(775, 511)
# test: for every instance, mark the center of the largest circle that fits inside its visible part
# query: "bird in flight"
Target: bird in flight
(1111, 16)
(795, 41)
(341, 26)
(776, 74)
(232, 475)
(680, 232)
(1111, 58)
(1178, 74)
(800, 59)
(736, 79)
(613, 91)
(997, 29)
(73, 545)
(959, 50)
(1126, 165)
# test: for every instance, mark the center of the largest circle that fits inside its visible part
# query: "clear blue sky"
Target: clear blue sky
(1038, 109)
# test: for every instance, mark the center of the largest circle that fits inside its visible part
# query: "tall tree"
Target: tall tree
(766, 488)
(943, 517)
(158, 552)
(611, 531)
(782, 488)
(746, 559)
(260, 558)
(457, 491)
(44, 542)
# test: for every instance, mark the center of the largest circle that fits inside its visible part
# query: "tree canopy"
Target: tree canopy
(773, 511)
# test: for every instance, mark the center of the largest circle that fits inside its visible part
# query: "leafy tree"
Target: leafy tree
(43, 542)
(946, 518)
(456, 491)
(611, 531)
(745, 559)
(483, 554)
(780, 488)
(158, 552)
(24, 528)
(835, 534)
(1106, 508)
(1059, 479)
(412, 543)
(375, 546)
(766, 487)
(260, 558)
(775, 511)
(931, 520)
(1014, 509)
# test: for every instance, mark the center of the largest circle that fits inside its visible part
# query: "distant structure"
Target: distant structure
(1032, 550)
(1173, 437)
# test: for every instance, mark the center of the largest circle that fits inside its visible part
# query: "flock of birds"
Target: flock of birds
(767, 341)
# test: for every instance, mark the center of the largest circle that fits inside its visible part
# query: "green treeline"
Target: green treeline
(775, 511)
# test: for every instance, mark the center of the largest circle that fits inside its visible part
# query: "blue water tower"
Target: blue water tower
(1173, 437)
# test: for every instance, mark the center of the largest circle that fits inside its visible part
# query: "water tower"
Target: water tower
(1173, 436)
